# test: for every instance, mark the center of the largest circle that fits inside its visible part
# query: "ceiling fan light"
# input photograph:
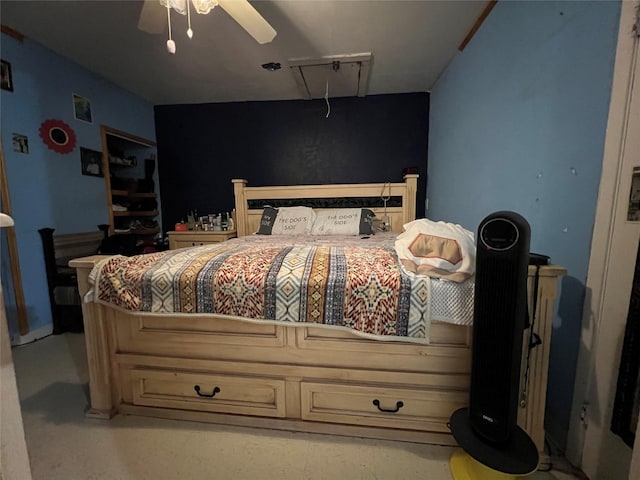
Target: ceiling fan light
(239, 10)
(6, 220)
(179, 6)
(204, 6)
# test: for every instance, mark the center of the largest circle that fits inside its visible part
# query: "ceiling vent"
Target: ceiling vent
(339, 75)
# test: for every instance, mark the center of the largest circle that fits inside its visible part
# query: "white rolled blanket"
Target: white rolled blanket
(437, 249)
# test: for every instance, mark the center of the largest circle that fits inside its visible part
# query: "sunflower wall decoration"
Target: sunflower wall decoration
(58, 136)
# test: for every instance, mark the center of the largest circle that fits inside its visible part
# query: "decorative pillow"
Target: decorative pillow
(269, 215)
(293, 221)
(343, 221)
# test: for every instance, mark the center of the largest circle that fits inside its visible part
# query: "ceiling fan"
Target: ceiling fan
(156, 14)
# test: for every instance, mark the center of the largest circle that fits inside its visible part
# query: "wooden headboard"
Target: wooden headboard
(402, 197)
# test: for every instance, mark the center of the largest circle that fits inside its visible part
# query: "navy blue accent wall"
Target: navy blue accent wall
(202, 147)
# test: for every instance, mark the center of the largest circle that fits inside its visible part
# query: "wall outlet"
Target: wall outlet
(583, 415)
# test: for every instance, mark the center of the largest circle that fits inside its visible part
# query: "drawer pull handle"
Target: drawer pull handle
(215, 390)
(399, 405)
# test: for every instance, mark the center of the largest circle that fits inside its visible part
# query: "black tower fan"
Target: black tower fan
(487, 430)
(500, 311)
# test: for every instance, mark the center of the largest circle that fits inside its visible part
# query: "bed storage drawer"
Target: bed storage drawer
(196, 336)
(403, 408)
(207, 392)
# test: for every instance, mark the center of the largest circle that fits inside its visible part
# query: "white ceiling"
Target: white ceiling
(411, 43)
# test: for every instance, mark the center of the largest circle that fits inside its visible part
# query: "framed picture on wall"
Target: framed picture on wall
(91, 162)
(6, 81)
(20, 143)
(82, 108)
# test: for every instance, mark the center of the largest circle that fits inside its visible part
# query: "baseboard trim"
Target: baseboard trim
(32, 336)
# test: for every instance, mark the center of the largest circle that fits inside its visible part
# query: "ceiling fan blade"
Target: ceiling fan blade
(249, 18)
(153, 17)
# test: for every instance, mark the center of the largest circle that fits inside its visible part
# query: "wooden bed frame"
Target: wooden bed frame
(248, 219)
(299, 378)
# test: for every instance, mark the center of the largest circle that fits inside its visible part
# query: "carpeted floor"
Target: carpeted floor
(64, 445)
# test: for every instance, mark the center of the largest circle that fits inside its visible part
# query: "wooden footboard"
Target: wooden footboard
(214, 369)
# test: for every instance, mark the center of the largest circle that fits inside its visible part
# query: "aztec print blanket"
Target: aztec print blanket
(349, 282)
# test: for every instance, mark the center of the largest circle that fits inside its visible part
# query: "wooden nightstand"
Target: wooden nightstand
(194, 238)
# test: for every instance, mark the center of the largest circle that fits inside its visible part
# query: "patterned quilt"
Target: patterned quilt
(351, 282)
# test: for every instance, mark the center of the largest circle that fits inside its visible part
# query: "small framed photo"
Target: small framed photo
(6, 81)
(82, 108)
(91, 162)
(20, 143)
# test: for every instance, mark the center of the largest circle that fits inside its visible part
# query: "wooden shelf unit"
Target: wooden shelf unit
(131, 213)
(127, 193)
(116, 141)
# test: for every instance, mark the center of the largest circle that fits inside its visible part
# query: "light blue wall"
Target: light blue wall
(517, 122)
(46, 188)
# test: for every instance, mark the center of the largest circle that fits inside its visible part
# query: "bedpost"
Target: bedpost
(409, 200)
(97, 342)
(241, 206)
(532, 409)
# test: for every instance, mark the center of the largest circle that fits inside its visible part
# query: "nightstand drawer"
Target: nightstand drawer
(208, 392)
(196, 238)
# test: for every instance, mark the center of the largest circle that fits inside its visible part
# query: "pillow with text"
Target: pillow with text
(268, 219)
(293, 221)
(343, 221)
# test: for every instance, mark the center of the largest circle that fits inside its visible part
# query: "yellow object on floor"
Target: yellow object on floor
(465, 467)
